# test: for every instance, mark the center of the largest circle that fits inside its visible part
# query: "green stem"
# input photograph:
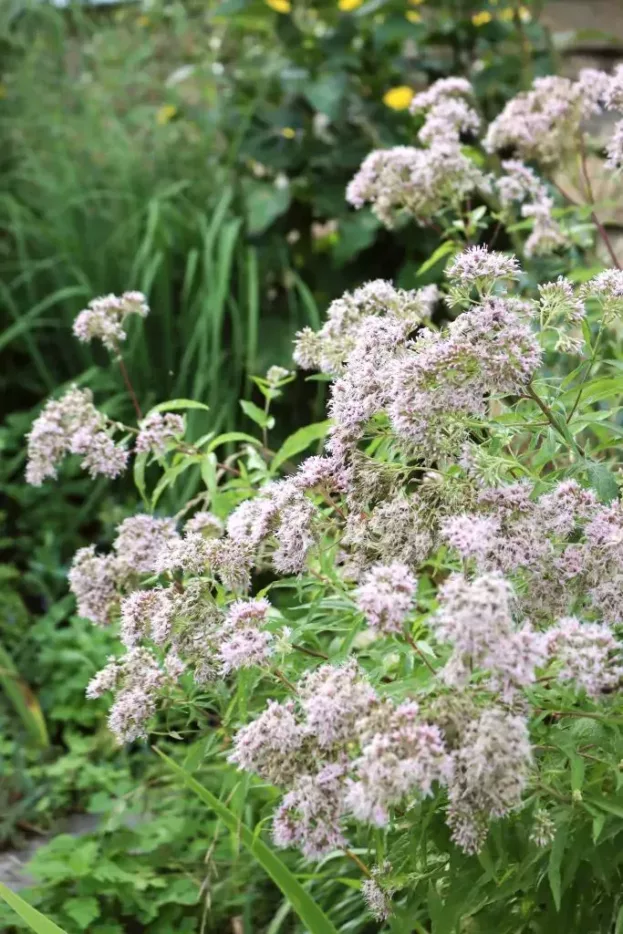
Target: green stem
(587, 373)
(561, 428)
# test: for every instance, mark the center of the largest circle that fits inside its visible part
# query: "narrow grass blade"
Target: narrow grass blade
(23, 700)
(302, 903)
(33, 918)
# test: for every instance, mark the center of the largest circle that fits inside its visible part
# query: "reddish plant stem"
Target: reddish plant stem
(130, 387)
(311, 652)
(280, 675)
(417, 649)
(495, 234)
(331, 502)
(357, 861)
(589, 191)
(565, 195)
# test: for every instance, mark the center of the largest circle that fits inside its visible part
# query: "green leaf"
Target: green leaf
(603, 482)
(138, 472)
(606, 804)
(82, 910)
(577, 771)
(23, 700)
(257, 415)
(175, 405)
(598, 825)
(168, 478)
(313, 918)
(555, 862)
(325, 95)
(449, 246)
(265, 203)
(356, 233)
(299, 441)
(228, 437)
(33, 918)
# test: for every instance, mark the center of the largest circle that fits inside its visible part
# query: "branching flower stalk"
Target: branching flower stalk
(438, 507)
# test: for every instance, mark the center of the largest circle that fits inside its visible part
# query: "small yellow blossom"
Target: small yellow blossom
(165, 114)
(143, 20)
(508, 14)
(348, 5)
(281, 6)
(413, 16)
(482, 18)
(416, 2)
(398, 98)
(288, 132)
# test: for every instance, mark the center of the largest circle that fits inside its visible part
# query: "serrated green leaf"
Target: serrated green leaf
(83, 910)
(311, 915)
(299, 441)
(33, 918)
(604, 482)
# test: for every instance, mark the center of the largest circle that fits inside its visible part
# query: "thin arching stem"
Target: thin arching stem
(357, 861)
(130, 387)
(419, 651)
(603, 233)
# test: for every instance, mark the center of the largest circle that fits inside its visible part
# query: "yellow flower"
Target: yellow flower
(482, 18)
(348, 5)
(281, 6)
(165, 114)
(416, 2)
(398, 98)
(142, 20)
(506, 14)
(525, 14)
(288, 132)
(413, 16)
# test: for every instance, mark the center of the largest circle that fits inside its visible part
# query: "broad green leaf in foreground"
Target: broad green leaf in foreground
(33, 918)
(302, 903)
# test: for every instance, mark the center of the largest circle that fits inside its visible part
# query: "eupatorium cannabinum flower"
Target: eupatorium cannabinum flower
(105, 318)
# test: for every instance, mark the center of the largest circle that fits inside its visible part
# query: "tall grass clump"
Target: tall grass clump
(103, 189)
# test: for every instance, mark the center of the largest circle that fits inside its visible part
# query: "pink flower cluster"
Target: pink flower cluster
(393, 754)
(72, 425)
(105, 318)
(423, 181)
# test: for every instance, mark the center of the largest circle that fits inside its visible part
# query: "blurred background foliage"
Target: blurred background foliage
(198, 152)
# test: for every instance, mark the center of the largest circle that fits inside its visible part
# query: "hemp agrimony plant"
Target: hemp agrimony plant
(415, 634)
